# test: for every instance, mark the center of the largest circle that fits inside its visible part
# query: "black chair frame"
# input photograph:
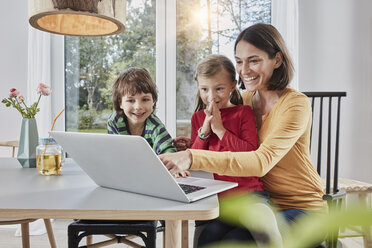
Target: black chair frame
(333, 195)
(146, 230)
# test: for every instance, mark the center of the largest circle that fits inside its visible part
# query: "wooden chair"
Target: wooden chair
(13, 144)
(335, 188)
(325, 131)
(25, 222)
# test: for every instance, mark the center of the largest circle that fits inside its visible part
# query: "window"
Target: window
(206, 27)
(93, 63)
(201, 27)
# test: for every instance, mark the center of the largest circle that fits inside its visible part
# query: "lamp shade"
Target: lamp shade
(78, 17)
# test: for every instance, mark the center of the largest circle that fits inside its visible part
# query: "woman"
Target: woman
(283, 121)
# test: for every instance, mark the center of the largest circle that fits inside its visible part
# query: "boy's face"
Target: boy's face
(137, 107)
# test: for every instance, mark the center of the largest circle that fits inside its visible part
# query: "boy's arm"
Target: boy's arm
(247, 140)
(162, 141)
(111, 125)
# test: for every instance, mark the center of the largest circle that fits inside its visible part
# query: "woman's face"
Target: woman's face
(254, 66)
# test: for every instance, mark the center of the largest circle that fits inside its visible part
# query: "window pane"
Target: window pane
(205, 27)
(93, 63)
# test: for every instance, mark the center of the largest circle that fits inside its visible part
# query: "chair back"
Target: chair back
(325, 133)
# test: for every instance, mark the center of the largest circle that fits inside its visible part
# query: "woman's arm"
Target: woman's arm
(290, 122)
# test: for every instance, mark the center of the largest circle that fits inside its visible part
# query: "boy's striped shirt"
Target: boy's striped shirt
(154, 132)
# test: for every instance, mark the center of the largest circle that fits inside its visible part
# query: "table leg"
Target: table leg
(173, 233)
(185, 234)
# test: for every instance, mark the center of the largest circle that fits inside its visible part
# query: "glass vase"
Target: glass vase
(28, 141)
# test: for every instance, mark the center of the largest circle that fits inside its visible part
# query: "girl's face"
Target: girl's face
(216, 89)
(254, 66)
(137, 107)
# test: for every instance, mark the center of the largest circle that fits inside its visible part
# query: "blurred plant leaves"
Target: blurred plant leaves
(309, 230)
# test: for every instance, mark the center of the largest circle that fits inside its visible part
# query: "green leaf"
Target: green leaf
(308, 230)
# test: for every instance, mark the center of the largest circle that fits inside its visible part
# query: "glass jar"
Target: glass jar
(48, 157)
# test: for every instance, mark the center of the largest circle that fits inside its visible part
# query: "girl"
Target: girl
(226, 125)
(222, 123)
(134, 98)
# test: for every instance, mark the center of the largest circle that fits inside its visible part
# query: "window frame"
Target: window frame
(165, 67)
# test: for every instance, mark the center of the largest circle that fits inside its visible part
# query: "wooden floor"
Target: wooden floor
(8, 240)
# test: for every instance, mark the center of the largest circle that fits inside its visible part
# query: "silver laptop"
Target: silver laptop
(128, 163)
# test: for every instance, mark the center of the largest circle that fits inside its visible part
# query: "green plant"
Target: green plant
(86, 119)
(310, 230)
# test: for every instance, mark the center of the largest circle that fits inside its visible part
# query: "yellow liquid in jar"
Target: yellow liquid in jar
(49, 164)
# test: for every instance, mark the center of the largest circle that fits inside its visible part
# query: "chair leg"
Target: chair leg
(367, 230)
(151, 239)
(25, 235)
(89, 239)
(49, 230)
(185, 234)
(164, 239)
(73, 237)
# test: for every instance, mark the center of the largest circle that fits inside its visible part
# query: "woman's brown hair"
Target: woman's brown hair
(132, 81)
(209, 67)
(267, 38)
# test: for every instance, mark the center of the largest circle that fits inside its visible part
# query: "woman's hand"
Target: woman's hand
(177, 163)
(181, 143)
(183, 174)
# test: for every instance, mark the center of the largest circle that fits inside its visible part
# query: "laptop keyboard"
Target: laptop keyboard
(190, 188)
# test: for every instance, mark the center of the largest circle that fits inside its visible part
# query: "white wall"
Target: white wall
(13, 65)
(335, 51)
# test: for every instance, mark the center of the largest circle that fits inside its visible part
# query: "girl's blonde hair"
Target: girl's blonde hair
(132, 81)
(209, 67)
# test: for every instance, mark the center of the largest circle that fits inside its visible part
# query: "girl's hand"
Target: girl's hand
(216, 122)
(177, 163)
(181, 143)
(206, 128)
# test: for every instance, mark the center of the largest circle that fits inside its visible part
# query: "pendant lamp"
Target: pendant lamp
(78, 17)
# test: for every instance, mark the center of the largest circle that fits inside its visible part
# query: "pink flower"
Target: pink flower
(43, 90)
(13, 92)
(21, 99)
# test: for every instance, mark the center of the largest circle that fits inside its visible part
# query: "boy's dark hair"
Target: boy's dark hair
(209, 67)
(132, 81)
(267, 38)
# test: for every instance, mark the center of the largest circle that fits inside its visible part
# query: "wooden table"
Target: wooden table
(73, 195)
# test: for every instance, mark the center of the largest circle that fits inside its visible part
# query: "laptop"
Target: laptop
(128, 163)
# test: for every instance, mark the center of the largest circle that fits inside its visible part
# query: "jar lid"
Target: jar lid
(46, 140)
